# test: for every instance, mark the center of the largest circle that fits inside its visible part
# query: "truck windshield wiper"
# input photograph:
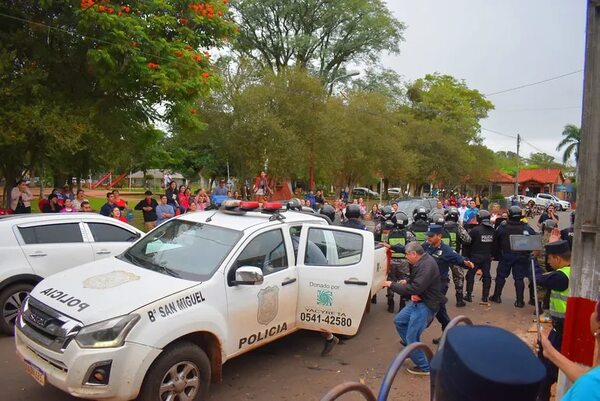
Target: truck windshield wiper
(149, 265)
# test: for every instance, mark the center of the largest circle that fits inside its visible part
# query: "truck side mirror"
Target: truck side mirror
(248, 275)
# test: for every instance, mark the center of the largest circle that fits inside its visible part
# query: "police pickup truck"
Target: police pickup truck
(158, 321)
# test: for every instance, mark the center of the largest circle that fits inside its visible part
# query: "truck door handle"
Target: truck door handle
(288, 281)
(37, 254)
(103, 252)
(355, 282)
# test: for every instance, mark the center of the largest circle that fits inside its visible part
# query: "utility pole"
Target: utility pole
(584, 282)
(518, 165)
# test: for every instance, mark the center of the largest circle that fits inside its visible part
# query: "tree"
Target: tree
(79, 83)
(542, 160)
(571, 141)
(321, 36)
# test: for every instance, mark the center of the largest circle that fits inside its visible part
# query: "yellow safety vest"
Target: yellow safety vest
(558, 299)
(395, 241)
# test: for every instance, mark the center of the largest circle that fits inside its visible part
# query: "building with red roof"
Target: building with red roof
(543, 180)
(502, 183)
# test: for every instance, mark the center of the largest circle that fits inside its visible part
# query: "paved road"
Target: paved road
(291, 368)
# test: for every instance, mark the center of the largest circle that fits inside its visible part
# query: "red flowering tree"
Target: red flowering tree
(82, 80)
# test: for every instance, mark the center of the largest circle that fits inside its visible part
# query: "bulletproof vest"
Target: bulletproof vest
(452, 228)
(396, 237)
(446, 238)
(420, 228)
(511, 228)
(485, 240)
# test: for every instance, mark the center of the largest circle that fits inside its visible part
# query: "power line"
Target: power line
(539, 109)
(534, 83)
(499, 133)
(519, 137)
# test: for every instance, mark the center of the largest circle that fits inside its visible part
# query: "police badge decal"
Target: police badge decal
(268, 305)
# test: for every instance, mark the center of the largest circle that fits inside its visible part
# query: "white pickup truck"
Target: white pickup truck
(544, 200)
(158, 321)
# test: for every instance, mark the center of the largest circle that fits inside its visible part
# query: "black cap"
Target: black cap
(557, 247)
(486, 363)
(148, 193)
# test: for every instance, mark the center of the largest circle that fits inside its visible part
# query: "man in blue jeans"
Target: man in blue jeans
(424, 288)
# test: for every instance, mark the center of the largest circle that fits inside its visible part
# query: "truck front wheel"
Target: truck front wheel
(180, 373)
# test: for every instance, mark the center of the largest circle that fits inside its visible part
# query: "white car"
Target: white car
(394, 191)
(35, 246)
(158, 321)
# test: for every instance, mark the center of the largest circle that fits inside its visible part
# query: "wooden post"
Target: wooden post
(578, 343)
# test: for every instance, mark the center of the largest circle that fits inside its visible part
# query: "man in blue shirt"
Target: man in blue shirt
(444, 256)
(221, 189)
(470, 216)
(164, 211)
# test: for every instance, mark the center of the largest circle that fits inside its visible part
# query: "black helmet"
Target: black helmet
(420, 213)
(515, 213)
(452, 214)
(549, 224)
(438, 218)
(353, 211)
(387, 212)
(483, 217)
(328, 211)
(294, 204)
(400, 219)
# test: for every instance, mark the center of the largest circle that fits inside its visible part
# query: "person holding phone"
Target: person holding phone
(549, 214)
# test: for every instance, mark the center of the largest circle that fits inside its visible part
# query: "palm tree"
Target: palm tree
(572, 138)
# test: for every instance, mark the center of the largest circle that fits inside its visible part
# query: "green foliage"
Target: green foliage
(321, 36)
(82, 83)
(571, 141)
(542, 160)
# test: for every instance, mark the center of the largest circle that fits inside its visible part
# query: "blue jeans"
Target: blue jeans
(410, 323)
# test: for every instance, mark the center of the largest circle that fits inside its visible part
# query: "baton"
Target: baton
(537, 310)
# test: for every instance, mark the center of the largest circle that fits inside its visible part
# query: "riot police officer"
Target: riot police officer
(480, 253)
(400, 269)
(385, 224)
(329, 212)
(353, 217)
(457, 238)
(509, 261)
(419, 226)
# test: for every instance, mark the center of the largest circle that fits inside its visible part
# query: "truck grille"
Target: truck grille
(46, 326)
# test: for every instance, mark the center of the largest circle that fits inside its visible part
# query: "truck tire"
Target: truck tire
(181, 372)
(11, 299)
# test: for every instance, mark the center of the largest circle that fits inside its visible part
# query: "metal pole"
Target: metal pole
(518, 165)
(584, 282)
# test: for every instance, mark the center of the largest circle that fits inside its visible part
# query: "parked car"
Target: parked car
(559, 204)
(394, 191)
(407, 205)
(364, 192)
(35, 246)
(160, 320)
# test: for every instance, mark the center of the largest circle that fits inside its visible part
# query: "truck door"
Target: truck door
(335, 271)
(262, 312)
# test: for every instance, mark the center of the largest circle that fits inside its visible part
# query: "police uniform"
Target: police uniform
(509, 261)
(400, 268)
(455, 236)
(485, 363)
(419, 229)
(445, 257)
(557, 282)
(480, 253)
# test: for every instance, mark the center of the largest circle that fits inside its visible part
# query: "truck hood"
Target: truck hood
(105, 289)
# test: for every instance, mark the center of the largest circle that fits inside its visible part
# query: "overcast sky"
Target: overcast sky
(495, 45)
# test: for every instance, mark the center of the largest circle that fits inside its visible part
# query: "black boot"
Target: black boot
(390, 306)
(497, 293)
(459, 300)
(531, 294)
(520, 290)
(487, 283)
(468, 297)
(470, 283)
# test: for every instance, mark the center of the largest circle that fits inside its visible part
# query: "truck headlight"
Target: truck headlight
(107, 334)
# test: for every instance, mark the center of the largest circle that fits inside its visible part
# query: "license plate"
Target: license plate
(35, 372)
